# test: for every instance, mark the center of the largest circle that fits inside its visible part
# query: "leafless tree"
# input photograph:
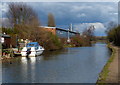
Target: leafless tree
(24, 20)
(20, 13)
(26, 26)
(89, 32)
(51, 21)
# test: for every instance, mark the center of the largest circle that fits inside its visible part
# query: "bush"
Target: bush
(79, 41)
(114, 36)
(50, 41)
(36, 34)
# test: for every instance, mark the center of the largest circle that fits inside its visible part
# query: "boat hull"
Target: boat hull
(32, 54)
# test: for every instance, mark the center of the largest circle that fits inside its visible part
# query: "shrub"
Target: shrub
(50, 41)
(114, 35)
(80, 41)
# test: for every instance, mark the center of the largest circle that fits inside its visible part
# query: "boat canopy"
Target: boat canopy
(32, 44)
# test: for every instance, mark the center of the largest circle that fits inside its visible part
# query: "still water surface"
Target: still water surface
(71, 65)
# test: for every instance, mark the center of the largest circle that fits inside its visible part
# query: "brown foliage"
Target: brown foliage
(26, 26)
(13, 40)
(80, 41)
(46, 39)
(77, 41)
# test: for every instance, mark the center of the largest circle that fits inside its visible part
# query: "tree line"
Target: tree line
(26, 25)
(114, 35)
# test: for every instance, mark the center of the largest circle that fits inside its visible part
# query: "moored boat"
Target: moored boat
(32, 49)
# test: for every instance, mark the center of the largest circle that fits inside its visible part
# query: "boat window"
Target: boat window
(36, 48)
(40, 47)
(28, 49)
(31, 45)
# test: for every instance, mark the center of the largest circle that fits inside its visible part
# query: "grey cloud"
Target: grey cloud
(60, 0)
(76, 12)
(73, 12)
(99, 27)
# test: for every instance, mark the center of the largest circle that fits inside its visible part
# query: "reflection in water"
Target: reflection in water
(70, 65)
(24, 60)
(31, 60)
(28, 66)
(49, 55)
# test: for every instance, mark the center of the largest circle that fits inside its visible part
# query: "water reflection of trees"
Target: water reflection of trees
(47, 55)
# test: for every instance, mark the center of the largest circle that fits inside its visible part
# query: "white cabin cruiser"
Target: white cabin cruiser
(32, 49)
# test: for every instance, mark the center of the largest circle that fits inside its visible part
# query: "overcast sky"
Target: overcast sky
(60, 0)
(80, 14)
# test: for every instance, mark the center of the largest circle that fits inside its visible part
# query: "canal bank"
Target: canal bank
(109, 74)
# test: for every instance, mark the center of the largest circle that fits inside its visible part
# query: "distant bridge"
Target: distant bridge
(62, 33)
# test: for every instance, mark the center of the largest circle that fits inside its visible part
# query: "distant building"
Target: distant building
(5, 40)
(62, 33)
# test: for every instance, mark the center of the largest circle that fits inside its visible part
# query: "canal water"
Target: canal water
(70, 65)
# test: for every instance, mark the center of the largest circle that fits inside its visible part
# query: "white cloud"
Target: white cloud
(82, 7)
(114, 13)
(99, 28)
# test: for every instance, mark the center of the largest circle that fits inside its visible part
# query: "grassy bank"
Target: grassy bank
(104, 73)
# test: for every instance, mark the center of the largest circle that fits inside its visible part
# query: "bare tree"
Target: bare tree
(51, 21)
(26, 26)
(20, 13)
(89, 32)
